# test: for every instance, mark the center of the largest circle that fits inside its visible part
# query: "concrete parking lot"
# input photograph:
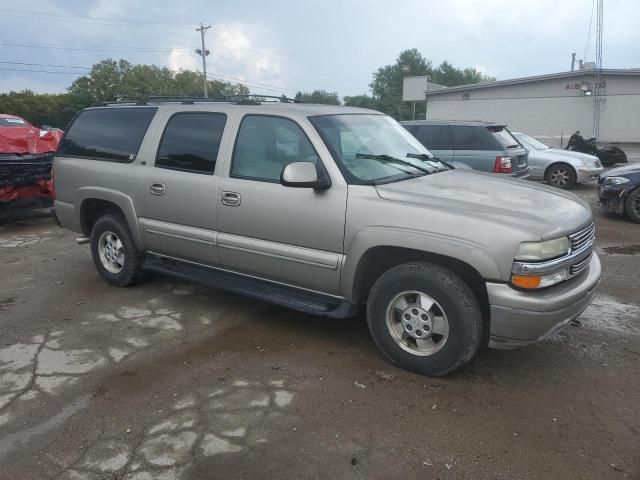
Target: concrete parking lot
(170, 380)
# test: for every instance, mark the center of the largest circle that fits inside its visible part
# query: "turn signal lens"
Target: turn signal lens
(526, 282)
(539, 281)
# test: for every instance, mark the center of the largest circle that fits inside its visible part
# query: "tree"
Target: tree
(319, 96)
(450, 76)
(386, 85)
(362, 101)
(112, 80)
(55, 110)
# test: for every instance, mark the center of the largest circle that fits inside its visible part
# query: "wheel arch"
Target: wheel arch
(95, 203)
(379, 259)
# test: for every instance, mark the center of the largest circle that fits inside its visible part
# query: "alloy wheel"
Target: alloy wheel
(417, 323)
(111, 252)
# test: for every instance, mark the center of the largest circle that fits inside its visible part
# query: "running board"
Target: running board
(270, 292)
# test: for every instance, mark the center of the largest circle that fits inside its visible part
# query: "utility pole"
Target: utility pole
(573, 61)
(597, 84)
(203, 52)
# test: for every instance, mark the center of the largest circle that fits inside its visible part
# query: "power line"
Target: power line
(43, 65)
(225, 77)
(87, 49)
(39, 71)
(264, 85)
(88, 19)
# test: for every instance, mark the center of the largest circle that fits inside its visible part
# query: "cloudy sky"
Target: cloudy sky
(282, 46)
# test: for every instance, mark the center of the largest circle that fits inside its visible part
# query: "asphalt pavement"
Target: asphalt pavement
(169, 380)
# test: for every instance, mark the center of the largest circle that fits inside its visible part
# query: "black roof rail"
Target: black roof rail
(120, 102)
(244, 99)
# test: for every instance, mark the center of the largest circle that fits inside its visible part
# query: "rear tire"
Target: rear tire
(561, 175)
(114, 252)
(423, 317)
(632, 205)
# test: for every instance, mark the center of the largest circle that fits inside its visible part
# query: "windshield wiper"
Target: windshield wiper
(430, 158)
(387, 159)
(512, 146)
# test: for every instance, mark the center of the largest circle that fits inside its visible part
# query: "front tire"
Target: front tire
(632, 205)
(114, 252)
(423, 317)
(561, 175)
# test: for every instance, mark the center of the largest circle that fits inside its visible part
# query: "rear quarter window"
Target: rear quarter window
(504, 137)
(110, 134)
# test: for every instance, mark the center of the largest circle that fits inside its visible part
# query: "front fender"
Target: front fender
(474, 254)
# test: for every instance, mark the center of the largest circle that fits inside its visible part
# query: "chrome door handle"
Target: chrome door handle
(157, 188)
(231, 199)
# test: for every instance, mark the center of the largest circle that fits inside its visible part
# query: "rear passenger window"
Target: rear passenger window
(112, 134)
(191, 141)
(472, 138)
(434, 137)
(265, 145)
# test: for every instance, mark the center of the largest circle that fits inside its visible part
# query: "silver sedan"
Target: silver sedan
(560, 168)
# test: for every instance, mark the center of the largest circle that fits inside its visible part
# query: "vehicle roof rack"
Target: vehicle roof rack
(248, 99)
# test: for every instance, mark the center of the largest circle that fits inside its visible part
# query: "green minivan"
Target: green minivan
(485, 146)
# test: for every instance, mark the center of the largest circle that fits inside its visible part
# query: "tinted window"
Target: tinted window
(434, 137)
(471, 138)
(113, 134)
(191, 141)
(265, 145)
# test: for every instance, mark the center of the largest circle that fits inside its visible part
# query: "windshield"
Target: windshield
(531, 142)
(504, 137)
(365, 147)
(12, 122)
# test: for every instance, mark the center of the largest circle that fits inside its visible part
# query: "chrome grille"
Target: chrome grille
(576, 268)
(583, 239)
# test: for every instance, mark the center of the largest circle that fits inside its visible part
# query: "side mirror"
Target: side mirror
(303, 175)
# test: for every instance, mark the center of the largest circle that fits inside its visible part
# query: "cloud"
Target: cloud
(182, 60)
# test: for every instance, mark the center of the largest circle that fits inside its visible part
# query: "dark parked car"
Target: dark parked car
(619, 191)
(485, 146)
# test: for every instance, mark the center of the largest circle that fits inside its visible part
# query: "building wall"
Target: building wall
(548, 110)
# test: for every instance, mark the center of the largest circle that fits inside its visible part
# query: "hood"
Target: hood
(631, 169)
(28, 140)
(558, 153)
(539, 210)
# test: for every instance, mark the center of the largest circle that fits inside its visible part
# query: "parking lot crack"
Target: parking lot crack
(33, 370)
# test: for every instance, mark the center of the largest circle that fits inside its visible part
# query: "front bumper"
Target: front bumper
(587, 174)
(612, 197)
(520, 318)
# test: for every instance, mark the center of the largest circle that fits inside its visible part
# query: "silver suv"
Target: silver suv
(327, 210)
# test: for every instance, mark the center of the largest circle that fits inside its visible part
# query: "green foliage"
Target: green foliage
(450, 76)
(55, 110)
(112, 80)
(386, 85)
(362, 101)
(319, 96)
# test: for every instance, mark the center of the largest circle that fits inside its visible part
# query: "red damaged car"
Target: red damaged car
(26, 155)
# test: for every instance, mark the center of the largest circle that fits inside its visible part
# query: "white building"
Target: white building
(549, 107)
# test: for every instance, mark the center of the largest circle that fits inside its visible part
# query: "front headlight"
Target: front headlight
(615, 180)
(536, 251)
